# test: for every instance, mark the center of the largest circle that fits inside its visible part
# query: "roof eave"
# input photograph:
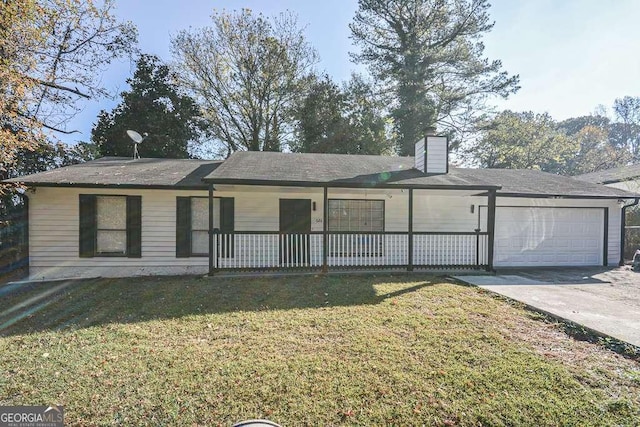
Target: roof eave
(342, 184)
(124, 186)
(567, 196)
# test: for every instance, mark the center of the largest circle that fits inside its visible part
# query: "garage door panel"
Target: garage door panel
(593, 260)
(592, 244)
(581, 228)
(560, 258)
(548, 236)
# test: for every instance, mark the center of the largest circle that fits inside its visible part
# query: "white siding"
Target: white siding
(258, 208)
(419, 155)
(53, 236)
(54, 227)
(445, 211)
(436, 154)
(53, 214)
(632, 186)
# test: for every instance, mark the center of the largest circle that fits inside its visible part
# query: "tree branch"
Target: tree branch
(46, 126)
(52, 85)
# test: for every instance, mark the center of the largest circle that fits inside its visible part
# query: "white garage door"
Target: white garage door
(548, 236)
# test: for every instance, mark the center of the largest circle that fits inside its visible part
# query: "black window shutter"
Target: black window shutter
(227, 226)
(87, 217)
(134, 226)
(183, 227)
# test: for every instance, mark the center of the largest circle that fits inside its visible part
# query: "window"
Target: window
(200, 224)
(356, 215)
(192, 226)
(110, 226)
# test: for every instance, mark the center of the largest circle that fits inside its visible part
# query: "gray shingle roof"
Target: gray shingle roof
(268, 168)
(358, 170)
(610, 176)
(336, 169)
(126, 172)
(538, 183)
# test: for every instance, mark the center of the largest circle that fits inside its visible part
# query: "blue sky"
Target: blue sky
(571, 55)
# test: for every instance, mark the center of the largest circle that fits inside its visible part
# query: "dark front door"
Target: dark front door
(295, 226)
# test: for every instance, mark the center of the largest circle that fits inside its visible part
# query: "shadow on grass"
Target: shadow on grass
(77, 304)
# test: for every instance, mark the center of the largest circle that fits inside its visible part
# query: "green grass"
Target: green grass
(367, 350)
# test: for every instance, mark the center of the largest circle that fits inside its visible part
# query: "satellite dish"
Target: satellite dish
(135, 136)
(137, 139)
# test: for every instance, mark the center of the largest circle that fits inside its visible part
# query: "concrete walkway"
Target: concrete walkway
(605, 300)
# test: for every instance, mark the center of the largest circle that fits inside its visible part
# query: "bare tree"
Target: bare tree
(52, 54)
(245, 71)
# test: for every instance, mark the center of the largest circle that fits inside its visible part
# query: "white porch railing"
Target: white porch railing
(367, 249)
(264, 250)
(450, 250)
(274, 250)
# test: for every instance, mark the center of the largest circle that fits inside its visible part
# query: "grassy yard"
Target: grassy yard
(367, 350)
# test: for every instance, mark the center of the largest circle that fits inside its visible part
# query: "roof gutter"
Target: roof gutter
(112, 186)
(623, 225)
(561, 196)
(617, 180)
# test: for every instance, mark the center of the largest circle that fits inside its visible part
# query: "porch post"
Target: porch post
(605, 243)
(211, 265)
(623, 225)
(623, 235)
(325, 229)
(410, 232)
(491, 227)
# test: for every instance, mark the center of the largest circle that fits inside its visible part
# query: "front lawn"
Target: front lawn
(368, 350)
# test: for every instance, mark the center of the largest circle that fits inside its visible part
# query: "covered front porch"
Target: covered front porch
(327, 228)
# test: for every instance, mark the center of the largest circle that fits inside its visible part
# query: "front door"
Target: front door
(295, 226)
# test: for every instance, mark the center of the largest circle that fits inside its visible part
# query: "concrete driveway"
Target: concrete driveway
(605, 300)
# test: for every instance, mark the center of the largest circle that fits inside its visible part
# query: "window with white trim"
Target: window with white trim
(356, 215)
